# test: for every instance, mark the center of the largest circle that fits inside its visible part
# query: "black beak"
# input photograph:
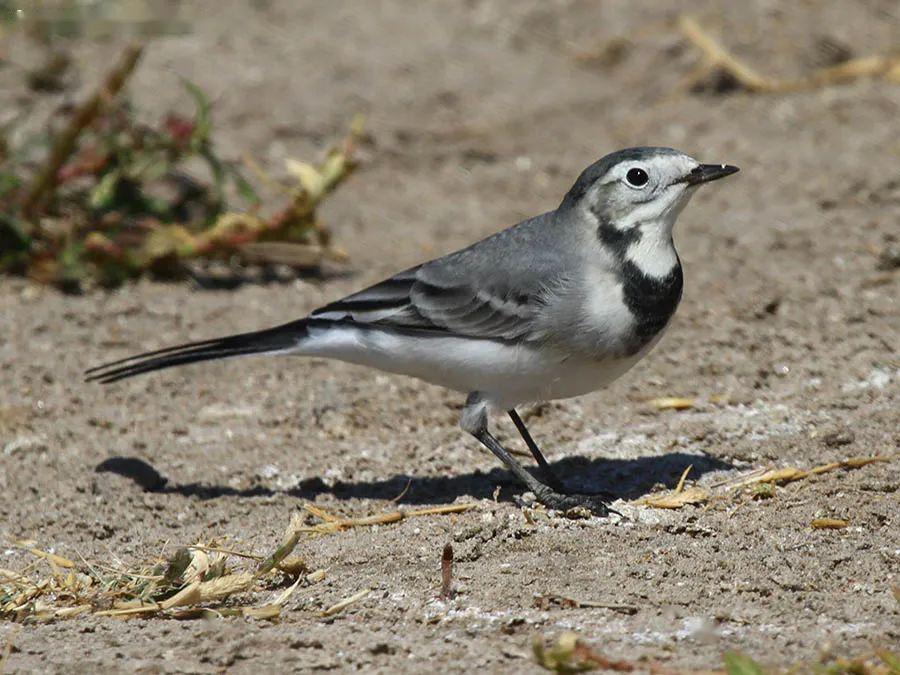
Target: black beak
(709, 172)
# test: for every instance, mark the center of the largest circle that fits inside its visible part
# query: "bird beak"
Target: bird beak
(709, 172)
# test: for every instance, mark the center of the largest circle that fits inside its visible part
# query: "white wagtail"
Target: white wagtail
(557, 306)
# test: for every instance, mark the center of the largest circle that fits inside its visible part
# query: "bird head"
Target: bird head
(640, 188)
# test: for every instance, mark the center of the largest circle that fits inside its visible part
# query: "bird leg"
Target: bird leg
(474, 420)
(551, 477)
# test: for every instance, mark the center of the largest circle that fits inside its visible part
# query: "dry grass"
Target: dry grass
(759, 483)
(717, 58)
(194, 582)
(339, 607)
(102, 197)
(210, 578)
(682, 403)
(717, 61)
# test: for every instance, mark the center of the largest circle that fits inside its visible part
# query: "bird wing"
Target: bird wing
(495, 289)
(418, 299)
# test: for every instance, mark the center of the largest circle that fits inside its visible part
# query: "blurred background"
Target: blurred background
(444, 104)
(173, 171)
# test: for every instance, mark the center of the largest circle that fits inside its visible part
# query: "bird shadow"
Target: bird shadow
(613, 478)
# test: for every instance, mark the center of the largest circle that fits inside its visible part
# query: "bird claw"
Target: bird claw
(567, 502)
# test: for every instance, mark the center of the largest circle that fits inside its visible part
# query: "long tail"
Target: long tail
(270, 340)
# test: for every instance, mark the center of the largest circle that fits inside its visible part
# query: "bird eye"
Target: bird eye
(637, 177)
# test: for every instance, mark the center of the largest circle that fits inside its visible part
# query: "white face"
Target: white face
(649, 193)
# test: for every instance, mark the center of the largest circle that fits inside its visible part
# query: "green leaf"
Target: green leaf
(178, 564)
(737, 663)
(148, 166)
(218, 174)
(103, 195)
(202, 118)
(243, 186)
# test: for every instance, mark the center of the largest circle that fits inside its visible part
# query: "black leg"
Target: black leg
(544, 493)
(474, 420)
(552, 479)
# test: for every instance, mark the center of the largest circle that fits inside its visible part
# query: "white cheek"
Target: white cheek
(642, 213)
(654, 253)
(678, 206)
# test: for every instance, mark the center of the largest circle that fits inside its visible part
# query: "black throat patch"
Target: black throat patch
(614, 239)
(651, 300)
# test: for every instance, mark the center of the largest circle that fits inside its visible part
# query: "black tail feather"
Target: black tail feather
(147, 355)
(257, 342)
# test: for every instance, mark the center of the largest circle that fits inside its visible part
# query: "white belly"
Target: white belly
(506, 374)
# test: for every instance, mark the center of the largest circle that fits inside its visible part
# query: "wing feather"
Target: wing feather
(494, 289)
(411, 302)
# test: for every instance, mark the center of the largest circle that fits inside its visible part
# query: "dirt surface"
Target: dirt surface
(480, 114)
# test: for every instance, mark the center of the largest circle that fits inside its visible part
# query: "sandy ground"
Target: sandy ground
(480, 115)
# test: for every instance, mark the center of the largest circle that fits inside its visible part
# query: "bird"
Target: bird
(556, 306)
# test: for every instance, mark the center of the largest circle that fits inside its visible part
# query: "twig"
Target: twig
(238, 554)
(283, 598)
(682, 496)
(672, 403)
(402, 492)
(447, 572)
(438, 510)
(543, 601)
(680, 486)
(65, 144)
(228, 551)
(280, 554)
(851, 463)
(829, 524)
(866, 66)
(717, 56)
(345, 603)
(336, 525)
(322, 514)
(52, 558)
(787, 474)
(675, 500)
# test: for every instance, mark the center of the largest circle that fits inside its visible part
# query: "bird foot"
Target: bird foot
(567, 502)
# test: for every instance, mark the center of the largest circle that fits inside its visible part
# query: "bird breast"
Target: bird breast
(616, 312)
